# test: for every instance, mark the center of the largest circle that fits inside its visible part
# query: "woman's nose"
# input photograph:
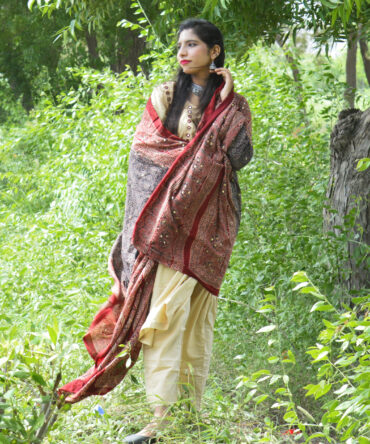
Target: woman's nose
(181, 51)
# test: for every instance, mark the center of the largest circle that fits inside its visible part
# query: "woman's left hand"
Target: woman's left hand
(229, 83)
(116, 289)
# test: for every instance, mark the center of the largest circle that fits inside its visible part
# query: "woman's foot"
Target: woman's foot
(147, 434)
(150, 429)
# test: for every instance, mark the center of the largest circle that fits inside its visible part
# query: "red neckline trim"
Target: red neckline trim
(159, 125)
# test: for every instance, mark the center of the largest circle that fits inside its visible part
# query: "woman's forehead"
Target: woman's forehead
(188, 34)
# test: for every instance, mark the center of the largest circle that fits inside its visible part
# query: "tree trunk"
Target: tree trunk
(129, 47)
(365, 57)
(92, 46)
(136, 50)
(22, 88)
(348, 194)
(349, 94)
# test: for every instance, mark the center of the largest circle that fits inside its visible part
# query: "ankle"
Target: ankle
(161, 411)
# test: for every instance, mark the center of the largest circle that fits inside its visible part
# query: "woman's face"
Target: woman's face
(193, 54)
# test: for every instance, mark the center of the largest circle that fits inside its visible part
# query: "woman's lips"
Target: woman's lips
(184, 62)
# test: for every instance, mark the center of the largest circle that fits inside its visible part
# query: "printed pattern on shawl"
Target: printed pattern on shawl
(153, 152)
(117, 324)
(190, 222)
(194, 191)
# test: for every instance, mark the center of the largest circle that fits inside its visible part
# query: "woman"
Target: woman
(182, 215)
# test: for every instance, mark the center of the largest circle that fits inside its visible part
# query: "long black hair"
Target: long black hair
(210, 35)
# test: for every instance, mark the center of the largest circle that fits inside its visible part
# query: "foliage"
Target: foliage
(260, 19)
(29, 56)
(38, 49)
(329, 20)
(244, 23)
(29, 377)
(342, 354)
(346, 12)
(62, 188)
(341, 357)
(41, 41)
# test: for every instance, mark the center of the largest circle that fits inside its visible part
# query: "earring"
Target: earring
(212, 66)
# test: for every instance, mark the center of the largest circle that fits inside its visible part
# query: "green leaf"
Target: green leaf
(72, 28)
(21, 375)
(345, 361)
(313, 291)
(30, 3)
(363, 164)
(260, 399)
(321, 356)
(266, 308)
(360, 299)
(306, 413)
(281, 391)
(290, 417)
(277, 405)
(299, 276)
(39, 379)
(123, 353)
(250, 394)
(53, 334)
(334, 17)
(291, 356)
(317, 390)
(134, 379)
(266, 328)
(264, 378)
(358, 5)
(274, 378)
(299, 286)
(261, 372)
(321, 306)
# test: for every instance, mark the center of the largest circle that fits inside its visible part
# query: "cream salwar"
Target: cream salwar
(177, 337)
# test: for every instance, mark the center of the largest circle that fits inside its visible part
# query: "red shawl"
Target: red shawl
(189, 223)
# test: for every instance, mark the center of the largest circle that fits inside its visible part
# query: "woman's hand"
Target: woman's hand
(229, 83)
(116, 289)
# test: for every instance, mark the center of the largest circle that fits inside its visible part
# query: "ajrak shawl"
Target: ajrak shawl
(181, 211)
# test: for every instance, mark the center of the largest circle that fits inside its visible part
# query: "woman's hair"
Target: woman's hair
(210, 35)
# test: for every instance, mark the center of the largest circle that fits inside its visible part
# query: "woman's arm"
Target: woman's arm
(229, 83)
(240, 151)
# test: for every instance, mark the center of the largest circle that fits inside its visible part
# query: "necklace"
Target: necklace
(196, 89)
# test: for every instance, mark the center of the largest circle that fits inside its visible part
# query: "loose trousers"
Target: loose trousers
(177, 337)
